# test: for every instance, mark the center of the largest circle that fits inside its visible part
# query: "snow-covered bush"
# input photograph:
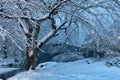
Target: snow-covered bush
(53, 51)
(112, 59)
(67, 57)
(113, 62)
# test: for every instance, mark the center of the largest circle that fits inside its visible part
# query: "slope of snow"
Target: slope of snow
(78, 70)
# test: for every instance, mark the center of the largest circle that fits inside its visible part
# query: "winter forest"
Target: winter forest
(59, 39)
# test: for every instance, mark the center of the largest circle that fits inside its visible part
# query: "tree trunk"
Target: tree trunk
(28, 58)
(34, 62)
(31, 60)
(29, 48)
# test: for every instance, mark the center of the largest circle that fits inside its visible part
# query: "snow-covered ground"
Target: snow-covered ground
(78, 70)
(4, 70)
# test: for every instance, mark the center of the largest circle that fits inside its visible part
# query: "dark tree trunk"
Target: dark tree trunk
(34, 62)
(31, 60)
(28, 59)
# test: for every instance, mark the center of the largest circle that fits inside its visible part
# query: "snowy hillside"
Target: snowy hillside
(78, 70)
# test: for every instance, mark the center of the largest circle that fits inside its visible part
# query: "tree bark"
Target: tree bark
(31, 60)
(34, 62)
(28, 50)
(28, 59)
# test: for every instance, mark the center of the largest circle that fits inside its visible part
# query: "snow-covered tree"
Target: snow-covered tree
(68, 15)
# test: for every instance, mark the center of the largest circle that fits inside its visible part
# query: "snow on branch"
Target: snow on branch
(2, 33)
(54, 31)
(52, 10)
(30, 53)
(46, 37)
(23, 25)
(50, 35)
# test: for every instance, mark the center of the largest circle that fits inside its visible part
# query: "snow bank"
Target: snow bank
(78, 70)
